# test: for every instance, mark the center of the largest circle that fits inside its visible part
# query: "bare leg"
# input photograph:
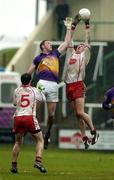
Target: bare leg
(82, 125)
(16, 148)
(51, 114)
(39, 149)
(79, 109)
(39, 143)
(15, 151)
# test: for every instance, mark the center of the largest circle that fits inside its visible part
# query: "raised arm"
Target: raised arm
(87, 32)
(87, 51)
(70, 25)
(68, 35)
(31, 69)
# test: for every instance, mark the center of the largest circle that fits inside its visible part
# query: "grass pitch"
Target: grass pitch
(60, 164)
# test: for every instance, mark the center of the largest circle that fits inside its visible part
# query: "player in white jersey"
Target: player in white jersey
(75, 88)
(26, 99)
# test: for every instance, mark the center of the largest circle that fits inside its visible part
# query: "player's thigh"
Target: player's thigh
(19, 137)
(79, 104)
(38, 136)
(51, 106)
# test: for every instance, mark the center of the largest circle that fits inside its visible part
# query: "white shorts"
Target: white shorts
(50, 91)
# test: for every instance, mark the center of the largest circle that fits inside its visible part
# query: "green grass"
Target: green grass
(60, 164)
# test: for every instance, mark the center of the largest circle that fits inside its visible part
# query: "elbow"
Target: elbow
(66, 44)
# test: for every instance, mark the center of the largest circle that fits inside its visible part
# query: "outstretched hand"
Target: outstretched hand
(68, 22)
(76, 19)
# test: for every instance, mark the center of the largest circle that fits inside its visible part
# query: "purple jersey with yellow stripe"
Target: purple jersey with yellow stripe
(47, 66)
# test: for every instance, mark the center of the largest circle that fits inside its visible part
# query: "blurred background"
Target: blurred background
(24, 23)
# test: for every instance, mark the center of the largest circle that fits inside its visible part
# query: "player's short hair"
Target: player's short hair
(42, 43)
(25, 78)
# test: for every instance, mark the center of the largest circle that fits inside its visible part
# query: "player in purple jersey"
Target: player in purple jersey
(108, 103)
(47, 69)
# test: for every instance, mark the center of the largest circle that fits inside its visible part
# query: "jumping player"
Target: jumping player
(47, 69)
(75, 88)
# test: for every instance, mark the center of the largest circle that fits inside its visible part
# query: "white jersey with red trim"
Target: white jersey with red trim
(25, 99)
(75, 68)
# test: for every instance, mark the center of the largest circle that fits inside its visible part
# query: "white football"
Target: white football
(84, 13)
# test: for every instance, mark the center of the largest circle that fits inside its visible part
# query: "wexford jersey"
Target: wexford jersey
(76, 65)
(25, 98)
(109, 95)
(47, 66)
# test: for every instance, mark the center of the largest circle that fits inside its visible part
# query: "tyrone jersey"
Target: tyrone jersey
(76, 65)
(47, 66)
(25, 98)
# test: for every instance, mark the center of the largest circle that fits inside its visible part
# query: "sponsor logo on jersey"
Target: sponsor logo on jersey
(72, 61)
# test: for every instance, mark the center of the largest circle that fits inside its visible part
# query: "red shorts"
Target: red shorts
(24, 124)
(75, 90)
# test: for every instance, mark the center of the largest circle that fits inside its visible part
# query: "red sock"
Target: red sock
(85, 138)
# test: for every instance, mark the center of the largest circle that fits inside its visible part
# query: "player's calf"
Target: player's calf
(46, 140)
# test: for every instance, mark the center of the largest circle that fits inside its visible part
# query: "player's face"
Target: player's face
(80, 48)
(48, 45)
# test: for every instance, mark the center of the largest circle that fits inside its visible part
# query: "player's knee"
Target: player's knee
(79, 113)
(39, 138)
(19, 142)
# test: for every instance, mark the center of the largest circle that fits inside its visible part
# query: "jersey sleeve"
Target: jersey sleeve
(56, 52)
(36, 60)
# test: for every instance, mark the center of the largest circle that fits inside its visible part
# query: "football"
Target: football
(84, 13)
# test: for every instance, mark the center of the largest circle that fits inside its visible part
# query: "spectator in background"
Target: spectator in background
(61, 11)
(26, 99)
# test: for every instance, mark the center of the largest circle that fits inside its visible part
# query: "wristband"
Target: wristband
(73, 26)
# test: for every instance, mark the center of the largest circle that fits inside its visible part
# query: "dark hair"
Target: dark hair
(42, 43)
(25, 78)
